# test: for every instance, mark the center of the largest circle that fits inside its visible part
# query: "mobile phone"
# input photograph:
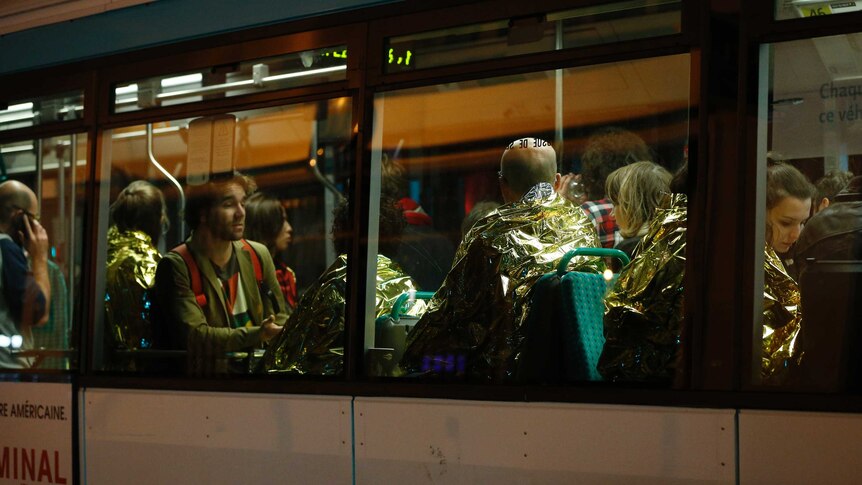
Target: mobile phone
(19, 228)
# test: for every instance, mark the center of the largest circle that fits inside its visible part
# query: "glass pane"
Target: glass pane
(791, 9)
(601, 24)
(260, 75)
(38, 331)
(41, 111)
(157, 319)
(437, 158)
(812, 159)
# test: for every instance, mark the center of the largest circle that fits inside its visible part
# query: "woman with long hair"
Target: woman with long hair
(266, 222)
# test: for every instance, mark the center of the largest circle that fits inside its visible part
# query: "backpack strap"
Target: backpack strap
(255, 261)
(194, 273)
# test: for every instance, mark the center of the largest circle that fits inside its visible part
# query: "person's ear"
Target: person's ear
(557, 180)
(824, 203)
(506, 191)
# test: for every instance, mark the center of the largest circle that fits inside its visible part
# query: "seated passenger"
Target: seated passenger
(474, 322)
(479, 211)
(266, 222)
(423, 252)
(636, 191)
(788, 205)
(137, 221)
(215, 291)
(606, 151)
(831, 333)
(834, 233)
(828, 187)
(312, 341)
(643, 322)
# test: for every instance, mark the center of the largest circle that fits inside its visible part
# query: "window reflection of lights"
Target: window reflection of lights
(5, 341)
(68, 109)
(16, 149)
(312, 72)
(248, 82)
(18, 107)
(205, 89)
(17, 341)
(131, 88)
(133, 134)
(127, 100)
(181, 80)
(19, 116)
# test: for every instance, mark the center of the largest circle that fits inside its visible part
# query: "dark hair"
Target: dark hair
(607, 150)
(831, 184)
(679, 183)
(390, 228)
(201, 198)
(852, 192)
(264, 218)
(139, 207)
(480, 210)
(393, 180)
(784, 180)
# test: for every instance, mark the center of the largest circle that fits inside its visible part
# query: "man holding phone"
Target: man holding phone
(25, 288)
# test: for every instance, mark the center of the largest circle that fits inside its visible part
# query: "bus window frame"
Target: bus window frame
(722, 305)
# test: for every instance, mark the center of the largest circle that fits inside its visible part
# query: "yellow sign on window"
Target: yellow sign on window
(816, 10)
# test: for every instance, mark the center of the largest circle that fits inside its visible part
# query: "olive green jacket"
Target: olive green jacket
(207, 331)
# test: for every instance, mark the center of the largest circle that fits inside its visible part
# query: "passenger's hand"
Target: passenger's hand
(35, 239)
(269, 328)
(572, 189)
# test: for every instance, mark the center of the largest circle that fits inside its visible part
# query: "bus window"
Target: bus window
(217, 228)
(810, 165)
(41, 334)
(496, 180)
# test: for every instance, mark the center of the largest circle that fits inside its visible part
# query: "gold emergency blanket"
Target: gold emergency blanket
(131, 270)
(644, 311)
(782, 320)
(474, 323)
(312, 341)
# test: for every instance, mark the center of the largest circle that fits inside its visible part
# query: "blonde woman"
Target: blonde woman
(636, 191)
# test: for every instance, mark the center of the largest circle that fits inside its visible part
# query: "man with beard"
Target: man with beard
(215, 291)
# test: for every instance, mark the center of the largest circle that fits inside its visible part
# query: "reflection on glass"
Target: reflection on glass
(260, 75)
(43, 110)
(483, 323)
(812, 218)
(584, 26)
(790, 9)
(295, 165)
(55, 170)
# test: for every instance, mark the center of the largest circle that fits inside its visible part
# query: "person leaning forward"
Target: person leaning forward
(475, 323)
(232, 312)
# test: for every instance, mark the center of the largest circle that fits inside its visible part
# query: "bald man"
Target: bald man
(24, 286)
(473, 326)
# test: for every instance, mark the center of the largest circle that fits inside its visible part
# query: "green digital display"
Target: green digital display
(394, 57)
(342, 54)
(397, 58)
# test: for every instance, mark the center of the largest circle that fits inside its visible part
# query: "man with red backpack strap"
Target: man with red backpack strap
(215, 291)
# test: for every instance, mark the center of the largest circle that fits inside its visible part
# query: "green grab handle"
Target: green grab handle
(399, 302)
(600, 252)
